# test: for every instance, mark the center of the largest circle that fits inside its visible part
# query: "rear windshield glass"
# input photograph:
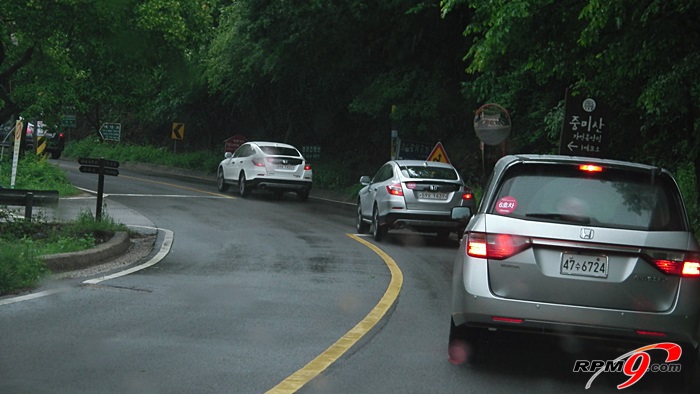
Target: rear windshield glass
(429, 172)
(610, 198)
(274, 150)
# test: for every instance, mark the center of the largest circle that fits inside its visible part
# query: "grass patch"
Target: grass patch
(36, 173)
(23, 242)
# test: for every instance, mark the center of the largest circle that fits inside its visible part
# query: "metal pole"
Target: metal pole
(28, 206)
(100, 189)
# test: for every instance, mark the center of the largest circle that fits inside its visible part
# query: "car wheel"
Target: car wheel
(377, 231)
(361, 225)
(303, 195)
(220, 181)
(56, 155)
(463, 344)
(243, 189)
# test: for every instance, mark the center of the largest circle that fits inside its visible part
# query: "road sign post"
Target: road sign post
(101, 167)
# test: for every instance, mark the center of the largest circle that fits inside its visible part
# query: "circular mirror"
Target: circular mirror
(492, 124)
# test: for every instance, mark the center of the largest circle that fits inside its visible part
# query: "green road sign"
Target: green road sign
(111, 131)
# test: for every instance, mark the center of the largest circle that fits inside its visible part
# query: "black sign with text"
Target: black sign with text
(583, 131)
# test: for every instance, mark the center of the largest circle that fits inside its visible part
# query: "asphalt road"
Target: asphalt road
(262, 295)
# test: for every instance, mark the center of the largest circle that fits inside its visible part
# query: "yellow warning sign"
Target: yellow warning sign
(178, 131)
(439, 154)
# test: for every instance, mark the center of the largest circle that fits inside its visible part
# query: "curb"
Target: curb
(62, 262)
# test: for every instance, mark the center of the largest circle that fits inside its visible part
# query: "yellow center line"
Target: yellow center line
(301, 377)
(177, 186)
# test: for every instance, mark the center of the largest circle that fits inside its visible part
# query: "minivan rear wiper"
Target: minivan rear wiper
(562, 217)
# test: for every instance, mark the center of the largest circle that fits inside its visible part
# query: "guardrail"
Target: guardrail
(28, 199)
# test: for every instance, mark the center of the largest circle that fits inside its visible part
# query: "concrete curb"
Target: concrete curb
(116, 246)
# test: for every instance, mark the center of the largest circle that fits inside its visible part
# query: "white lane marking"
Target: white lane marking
(164, 250)
(32, 296)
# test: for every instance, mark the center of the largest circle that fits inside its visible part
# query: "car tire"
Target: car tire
(56, 155)
(303, 195)
(361, 226)
(243, 189)
(220, 181)
(378, 232)
(463, 345)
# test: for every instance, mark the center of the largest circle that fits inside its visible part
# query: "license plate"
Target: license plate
(284, 167)
(595, 266)
(432, 196)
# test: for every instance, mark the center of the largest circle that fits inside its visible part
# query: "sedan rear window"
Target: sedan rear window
(612, 198)
(429, 172)
(279, 151)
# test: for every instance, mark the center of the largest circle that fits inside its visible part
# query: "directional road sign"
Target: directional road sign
(89, 161)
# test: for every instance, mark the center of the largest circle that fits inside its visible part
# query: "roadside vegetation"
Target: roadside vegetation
(328, 174)
(23, 242)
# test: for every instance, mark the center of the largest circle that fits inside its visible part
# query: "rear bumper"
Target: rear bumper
(280, 184)
(547, 318)
(410, 220)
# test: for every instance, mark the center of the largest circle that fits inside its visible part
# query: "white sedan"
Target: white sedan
(272, 166)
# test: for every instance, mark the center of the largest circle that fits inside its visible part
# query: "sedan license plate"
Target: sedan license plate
(595, 266)
(432, 196)
(284, 167)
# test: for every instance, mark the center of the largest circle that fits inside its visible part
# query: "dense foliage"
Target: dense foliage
(342, 74)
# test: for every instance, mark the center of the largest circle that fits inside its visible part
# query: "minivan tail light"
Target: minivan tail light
(496, 246)
(677, 264)
(395, 189)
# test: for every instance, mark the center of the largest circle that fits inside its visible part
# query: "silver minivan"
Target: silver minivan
(578, 247)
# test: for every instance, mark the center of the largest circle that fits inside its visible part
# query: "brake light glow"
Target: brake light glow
(307, 167)
(410, 185)
(691, 268)
(651, 333)
(687, 269)
(467, 196)
(258, 163)
(496, 246)
(506, 319)
(395, 189)
(590, 168)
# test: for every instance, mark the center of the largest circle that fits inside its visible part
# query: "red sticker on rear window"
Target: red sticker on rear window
(506, 205)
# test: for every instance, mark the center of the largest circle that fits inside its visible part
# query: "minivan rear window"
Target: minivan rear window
(429, 172)
(614, 197)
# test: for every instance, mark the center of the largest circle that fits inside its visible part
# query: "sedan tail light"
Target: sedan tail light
(258, 163)
(307, 167)
(394, 189)
(495, 246)
(467, 195)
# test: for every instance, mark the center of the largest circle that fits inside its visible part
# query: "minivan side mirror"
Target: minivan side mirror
(365, 180)
(461, 214)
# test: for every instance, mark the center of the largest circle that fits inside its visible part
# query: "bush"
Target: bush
(36, 173)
